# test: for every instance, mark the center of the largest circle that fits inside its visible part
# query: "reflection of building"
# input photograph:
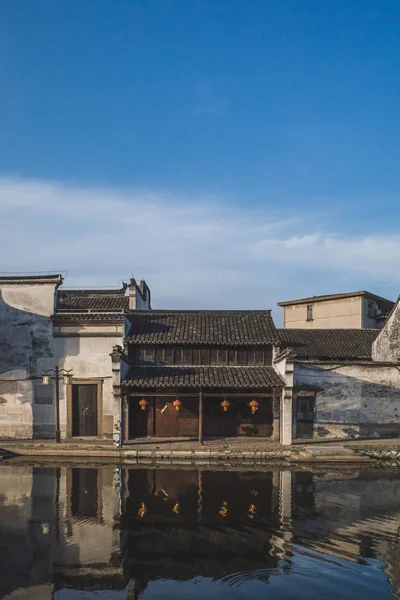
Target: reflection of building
(91, 517)
(74, 528)
(90, 529)
(199, 523)
(59, 527)
(29, 533)
(351, 517)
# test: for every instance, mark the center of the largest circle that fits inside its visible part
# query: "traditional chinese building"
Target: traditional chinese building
(44, 326)
(200, 373)
(341, 382)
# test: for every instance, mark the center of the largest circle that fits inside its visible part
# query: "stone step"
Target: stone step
(350, 458)
(328, 450)
(15, 447)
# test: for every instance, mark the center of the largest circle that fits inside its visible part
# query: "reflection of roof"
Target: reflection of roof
(236, 555)
(334, 297)
(210, 377)
(99, 576)
(212, 327)
(344, 344)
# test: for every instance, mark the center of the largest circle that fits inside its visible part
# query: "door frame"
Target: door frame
(70, 518)
(99, 383)
(300, 395)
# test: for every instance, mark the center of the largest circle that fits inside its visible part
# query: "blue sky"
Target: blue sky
(233, 153)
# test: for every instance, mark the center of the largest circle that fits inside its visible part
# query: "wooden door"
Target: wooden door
(139, 419)
(84, 410)
(216, 422)
(238, 420)
(172, 423)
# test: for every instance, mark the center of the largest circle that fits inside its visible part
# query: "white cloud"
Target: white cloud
(193, 251)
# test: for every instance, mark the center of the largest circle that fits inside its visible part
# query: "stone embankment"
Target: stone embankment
(210, 453)
(205, 457)
(379, 453)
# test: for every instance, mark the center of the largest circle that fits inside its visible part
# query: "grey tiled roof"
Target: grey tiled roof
(99, 300)
(208, 327)
(89, 316)
(29, 279)
(341, 344)
(209, 377)
(98, 305)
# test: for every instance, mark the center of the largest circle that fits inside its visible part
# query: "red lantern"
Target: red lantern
(254, 406)
(225, 405)
(142, 510)
(177, 404)
(143, 404)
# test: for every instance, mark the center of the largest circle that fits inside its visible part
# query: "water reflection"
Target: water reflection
(85, 532)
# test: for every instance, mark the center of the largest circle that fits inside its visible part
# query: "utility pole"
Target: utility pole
(57, 379)
(46, 378)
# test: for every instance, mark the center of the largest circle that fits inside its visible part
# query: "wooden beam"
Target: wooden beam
(201, 416)
(126, 420)
(238, 395)
(154, 408)
(205, 395)
(276, 409)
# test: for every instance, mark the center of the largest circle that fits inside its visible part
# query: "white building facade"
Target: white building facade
(43, 326)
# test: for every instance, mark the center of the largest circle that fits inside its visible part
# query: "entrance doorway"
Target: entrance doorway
(85, 417)
(305, 416)
(139, 419)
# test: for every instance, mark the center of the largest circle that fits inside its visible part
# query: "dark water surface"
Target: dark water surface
(71, 532)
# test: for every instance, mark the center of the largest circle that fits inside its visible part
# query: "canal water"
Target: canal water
(79, 532)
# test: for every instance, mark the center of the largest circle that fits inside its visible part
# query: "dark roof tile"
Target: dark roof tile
(195, 377)
(89, 316)
(340, 344)
(208, 327)
(29, 279)
(93, 300)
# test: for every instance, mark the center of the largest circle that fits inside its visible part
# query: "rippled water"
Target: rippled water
(69, 532)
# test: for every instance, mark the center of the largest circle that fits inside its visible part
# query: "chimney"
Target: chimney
(132, 294)
(145, 291)
(139, 296)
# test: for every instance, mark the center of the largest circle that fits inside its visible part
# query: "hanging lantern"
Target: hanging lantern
(223, 511)
(143, 404)
(177, 403)
(142, 510)
(225, 405)
(254, 406)
(252, 511)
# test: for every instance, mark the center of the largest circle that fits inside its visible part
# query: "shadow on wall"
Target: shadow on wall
(352, 407)
(27, 407)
